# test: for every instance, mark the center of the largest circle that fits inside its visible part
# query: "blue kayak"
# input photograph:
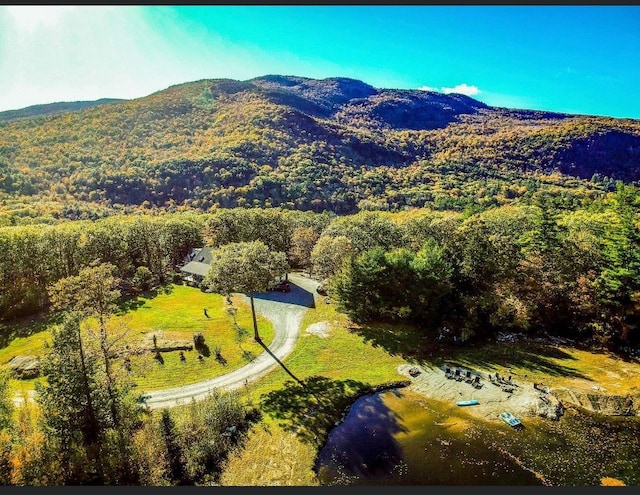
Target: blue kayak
(510, 419)
(470, 402)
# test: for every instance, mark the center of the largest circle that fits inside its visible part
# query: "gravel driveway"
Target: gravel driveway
(285, 311)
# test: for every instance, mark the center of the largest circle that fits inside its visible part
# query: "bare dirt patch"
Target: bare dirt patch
(523, 401)
(321, 329)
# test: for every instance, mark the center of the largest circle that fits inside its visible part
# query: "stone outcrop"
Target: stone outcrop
(25, 367)
(170, 345)
(610, 405)
(549, 406)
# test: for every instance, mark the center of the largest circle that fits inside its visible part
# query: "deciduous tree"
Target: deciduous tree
(246, 267)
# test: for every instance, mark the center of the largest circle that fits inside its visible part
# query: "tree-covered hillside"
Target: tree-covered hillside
(53, 108)
(336, 144)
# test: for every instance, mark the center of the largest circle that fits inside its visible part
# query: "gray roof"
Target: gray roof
(196, 268)
(201, 255)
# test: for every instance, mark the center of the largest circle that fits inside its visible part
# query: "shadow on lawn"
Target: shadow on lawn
(278, 361)
(131, 302)
(416, 345)
(312, 406)
(26, 327)
(534, 357)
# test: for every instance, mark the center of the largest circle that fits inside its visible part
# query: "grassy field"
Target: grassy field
(174, 314)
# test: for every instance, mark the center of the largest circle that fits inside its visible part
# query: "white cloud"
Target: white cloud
(463, 88)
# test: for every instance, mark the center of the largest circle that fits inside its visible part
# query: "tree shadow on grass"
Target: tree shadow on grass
(131, 302)
(417, 345)
(410, 342)
(268, 351)
(26, 327)
(203, 349)
(312, 406)
(534, 357)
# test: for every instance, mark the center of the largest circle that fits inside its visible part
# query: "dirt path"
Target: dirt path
(285, 311)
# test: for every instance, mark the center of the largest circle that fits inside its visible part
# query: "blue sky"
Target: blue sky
(575, 59)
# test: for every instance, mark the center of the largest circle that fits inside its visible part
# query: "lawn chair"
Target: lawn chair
(457, 375)
(448, 372)
(467, 377)
(476, 382)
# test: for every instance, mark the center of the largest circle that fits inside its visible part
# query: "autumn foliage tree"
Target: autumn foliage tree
(93, 293)
(247, 267)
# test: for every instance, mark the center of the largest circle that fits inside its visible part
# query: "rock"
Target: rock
(25, 367)
(614, 405)
(611, 405)
(549, 406)
(160, 346)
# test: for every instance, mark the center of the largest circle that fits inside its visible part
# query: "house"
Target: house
(197, 264)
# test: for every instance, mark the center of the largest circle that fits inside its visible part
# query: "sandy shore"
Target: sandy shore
(524, 401)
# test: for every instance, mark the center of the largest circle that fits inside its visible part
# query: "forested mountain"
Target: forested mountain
(336, 144)
(53, 108)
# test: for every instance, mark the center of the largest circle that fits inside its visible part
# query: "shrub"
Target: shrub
(143, 278)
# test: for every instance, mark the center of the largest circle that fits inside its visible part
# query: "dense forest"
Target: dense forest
(52, 109)
(528, 268)
(335, 144)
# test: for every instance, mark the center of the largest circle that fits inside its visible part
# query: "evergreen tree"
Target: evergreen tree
(6, 423)
(73, 404)
(93, 293)
(174, 450)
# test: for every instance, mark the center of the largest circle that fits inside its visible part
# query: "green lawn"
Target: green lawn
(174, 314)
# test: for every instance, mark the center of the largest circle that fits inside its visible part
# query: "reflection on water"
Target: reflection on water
(388, 440)
(398, 438)
(364, 446)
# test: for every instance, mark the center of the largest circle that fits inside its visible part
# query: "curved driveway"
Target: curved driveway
(285, 311)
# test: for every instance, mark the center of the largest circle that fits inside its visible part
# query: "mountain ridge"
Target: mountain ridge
(338, 144)
(41, 110)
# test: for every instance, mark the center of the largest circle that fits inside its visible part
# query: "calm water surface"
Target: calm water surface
(399, 438)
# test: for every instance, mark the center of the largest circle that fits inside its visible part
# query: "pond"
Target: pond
(397, 437)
